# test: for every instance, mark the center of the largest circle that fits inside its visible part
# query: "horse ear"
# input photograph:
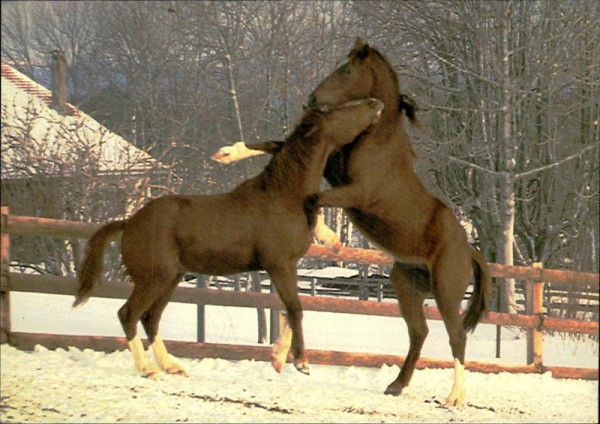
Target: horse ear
(361, 49)
(359, 43)
(270, 146)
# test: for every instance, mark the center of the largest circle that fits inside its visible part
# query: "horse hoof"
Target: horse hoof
(451, 401)
(303, 368)
(150, 371)
(393, 391)
(174, 368)
(277, 365)
(178, 372)
(153, 375)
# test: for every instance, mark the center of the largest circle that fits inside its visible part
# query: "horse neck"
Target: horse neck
(387, 89)
(390, 99)
(298, 168)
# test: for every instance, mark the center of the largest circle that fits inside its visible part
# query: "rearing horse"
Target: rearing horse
(374, 180)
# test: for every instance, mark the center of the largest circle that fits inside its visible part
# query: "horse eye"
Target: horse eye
(344, 70)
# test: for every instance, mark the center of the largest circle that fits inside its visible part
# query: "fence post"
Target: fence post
(256, 286)
(534, 298)
(237, 286)
(498, 309)
(5, 326)
(275, 318)
(201, 282)
(363, 281)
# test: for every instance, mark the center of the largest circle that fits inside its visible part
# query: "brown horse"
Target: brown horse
(261, 224)
(241, 150)
(374, 180)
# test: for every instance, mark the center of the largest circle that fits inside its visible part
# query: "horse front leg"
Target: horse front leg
(285, 281)
(326, 235)
(347, 196)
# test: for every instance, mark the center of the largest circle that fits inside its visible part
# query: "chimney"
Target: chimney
(58, 69)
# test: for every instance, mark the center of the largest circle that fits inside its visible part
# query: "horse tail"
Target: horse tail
(91, 267)
(409, 106)
(479, 302)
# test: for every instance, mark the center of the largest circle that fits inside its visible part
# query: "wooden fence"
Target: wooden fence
(534, 321)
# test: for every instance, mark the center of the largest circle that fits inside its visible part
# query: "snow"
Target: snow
(328, 272)
(73, 385)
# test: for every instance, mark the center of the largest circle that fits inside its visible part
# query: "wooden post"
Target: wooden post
(534, 297)
(256, 286)
(363, 281)
(201, 282)
(5, 326)
(275, 317)
(498, 309)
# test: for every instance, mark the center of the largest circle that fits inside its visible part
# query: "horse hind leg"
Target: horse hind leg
(411, 285)
(150, 322)
(285, 281)
(129, 315)
(281, 347)
(458, 342)
(452, 281)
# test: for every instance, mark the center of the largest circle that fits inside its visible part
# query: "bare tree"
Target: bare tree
(501, 91)
(54, 167)
(18, 36)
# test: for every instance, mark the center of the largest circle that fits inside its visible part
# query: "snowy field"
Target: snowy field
(86, 386)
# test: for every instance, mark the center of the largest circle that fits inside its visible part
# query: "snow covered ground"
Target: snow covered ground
(75, 386)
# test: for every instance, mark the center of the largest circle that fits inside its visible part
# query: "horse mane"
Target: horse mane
(409, 107)
(297, 145)
(309, 122)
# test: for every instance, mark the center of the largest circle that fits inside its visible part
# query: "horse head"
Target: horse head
(366, 73)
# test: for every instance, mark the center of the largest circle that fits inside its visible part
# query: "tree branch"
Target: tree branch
(462, 162)
(555, 164)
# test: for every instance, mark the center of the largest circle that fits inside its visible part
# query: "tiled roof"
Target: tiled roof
(37, 139)
(32, 87)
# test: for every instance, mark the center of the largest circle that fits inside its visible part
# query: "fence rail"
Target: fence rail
(27, 341)
(535, 321)
(205, 296)
(22, 225)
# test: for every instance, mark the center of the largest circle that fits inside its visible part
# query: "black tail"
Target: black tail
(478, 304)
(91, 267)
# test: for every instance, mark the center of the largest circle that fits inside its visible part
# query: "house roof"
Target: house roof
(38, 140)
